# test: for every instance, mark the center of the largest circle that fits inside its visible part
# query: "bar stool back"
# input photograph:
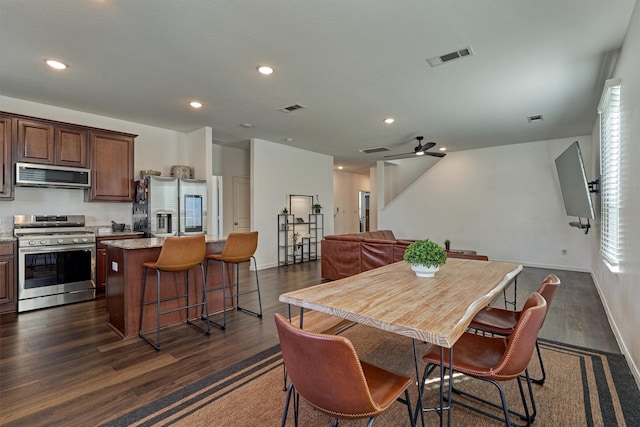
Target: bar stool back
(238, 249)
(178, 254)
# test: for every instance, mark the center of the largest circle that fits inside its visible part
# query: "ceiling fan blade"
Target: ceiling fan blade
(435, 154)
(427, 146)
(389, 156)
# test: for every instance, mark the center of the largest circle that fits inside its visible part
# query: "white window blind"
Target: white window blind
(610, 171)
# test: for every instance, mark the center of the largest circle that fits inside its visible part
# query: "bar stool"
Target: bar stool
(177, 254)
(238, 249)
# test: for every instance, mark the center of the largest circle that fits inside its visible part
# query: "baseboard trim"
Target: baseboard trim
(635, 371)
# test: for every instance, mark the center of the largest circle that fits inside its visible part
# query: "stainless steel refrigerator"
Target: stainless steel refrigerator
(167, 206)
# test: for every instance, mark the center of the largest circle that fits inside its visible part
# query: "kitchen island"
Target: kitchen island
(125, 259)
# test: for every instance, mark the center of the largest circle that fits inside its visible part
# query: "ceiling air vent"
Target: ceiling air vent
(448, 57)
(536, 118)
(374, 150)
(291, 108)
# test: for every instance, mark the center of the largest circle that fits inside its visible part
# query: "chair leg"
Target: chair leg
(155, 345)
(238, 293)
(541, 380)
(222, 325)
(204, 304)
(286, 406)
(143, 303)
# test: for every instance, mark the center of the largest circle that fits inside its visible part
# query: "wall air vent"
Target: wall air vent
(291, 108)
(448, 57)
(374, 150)
(536, 118)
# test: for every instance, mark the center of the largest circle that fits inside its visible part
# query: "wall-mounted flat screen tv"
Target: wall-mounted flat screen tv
(574, 184)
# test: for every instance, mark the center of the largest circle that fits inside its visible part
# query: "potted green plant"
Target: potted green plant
(425, 257)
(294, 238)
(316, 207)
(447, 244)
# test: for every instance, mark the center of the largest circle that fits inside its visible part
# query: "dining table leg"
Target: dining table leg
(441, 408)
(420, 406)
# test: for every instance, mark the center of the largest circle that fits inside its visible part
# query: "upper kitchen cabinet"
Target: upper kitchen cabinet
(111, 163)
(6, 189)
(48, 143)
(71, 147)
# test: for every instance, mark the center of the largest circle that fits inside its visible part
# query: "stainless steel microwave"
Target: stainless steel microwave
(35, 175)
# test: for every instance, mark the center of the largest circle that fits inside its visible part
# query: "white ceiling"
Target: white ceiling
(351, 63)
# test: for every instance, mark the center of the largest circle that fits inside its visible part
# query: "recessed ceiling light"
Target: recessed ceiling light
(389, 120)
(195, 104)
(265, 69)
(246, 125)
(443, 148)
(340, 167)
(56, 64)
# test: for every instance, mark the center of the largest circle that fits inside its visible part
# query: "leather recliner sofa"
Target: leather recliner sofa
(345, 255)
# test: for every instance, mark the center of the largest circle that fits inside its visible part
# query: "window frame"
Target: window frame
(609, 112)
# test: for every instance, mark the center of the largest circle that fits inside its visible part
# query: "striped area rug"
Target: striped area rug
(584, 388)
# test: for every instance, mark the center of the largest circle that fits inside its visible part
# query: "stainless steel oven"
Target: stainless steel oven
(56, 260)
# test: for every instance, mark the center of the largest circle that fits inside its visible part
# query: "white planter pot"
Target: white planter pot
(424, 271)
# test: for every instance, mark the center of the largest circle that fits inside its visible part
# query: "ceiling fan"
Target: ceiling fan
(419, 150)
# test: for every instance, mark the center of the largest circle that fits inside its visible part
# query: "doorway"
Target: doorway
(241, 204)
(363, 209)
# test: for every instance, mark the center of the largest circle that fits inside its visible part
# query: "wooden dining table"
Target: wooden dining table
(436, 310)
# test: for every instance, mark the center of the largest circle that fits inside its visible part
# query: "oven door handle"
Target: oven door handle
(48, 249)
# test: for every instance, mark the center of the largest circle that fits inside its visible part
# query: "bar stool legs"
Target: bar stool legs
(235, 294)
(159, 300)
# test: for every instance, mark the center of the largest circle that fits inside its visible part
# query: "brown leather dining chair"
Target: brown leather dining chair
(239, 248)
(178, 254)
(326, 371)
(495, 360)
(498, 321)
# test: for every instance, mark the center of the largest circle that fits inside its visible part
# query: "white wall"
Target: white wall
(504, 202)
(155, 148)
(278, 170)
(400, 174)
(621, 292)
(346, 188)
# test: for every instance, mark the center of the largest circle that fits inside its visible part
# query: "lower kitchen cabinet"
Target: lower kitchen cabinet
(101, 258)
(8, 284)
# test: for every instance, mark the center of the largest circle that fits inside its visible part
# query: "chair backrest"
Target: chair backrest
(548, 288)
(522, 341)
(326, 371)
(240, 247)
(181, 253)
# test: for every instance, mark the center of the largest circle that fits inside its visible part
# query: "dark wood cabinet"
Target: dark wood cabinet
(35, 142)
(71, 147)
(6, 189)
(8, 284)
(101, 258)
(111, 162)
(47, 143)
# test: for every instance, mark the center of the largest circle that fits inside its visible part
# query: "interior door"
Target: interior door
(241, 204)
(363, 208)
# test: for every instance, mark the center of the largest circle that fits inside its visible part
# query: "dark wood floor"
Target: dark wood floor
(64, 366)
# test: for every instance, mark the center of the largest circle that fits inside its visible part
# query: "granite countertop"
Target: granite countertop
(7, 238)
(151, 242)
(109, 233)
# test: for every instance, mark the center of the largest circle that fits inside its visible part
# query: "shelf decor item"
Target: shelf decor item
(425, 257)
(316, 206)
(447, 244)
